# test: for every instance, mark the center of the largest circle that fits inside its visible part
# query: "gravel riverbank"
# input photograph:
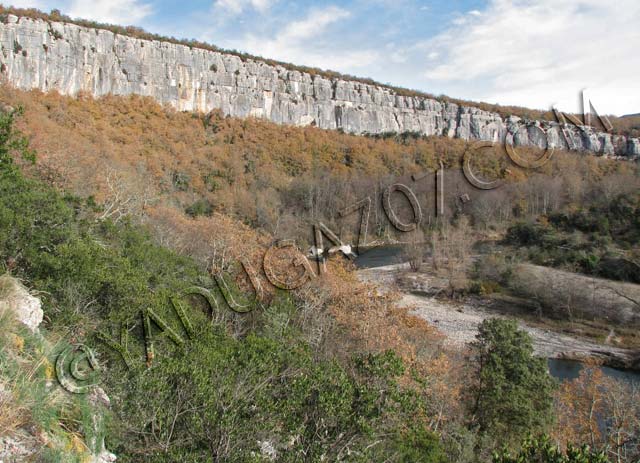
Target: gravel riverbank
(459, 321)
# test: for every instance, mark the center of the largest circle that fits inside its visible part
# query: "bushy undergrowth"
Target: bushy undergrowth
(225, 399)
(50, 425)
(600, 240)
(544, 450)
(241, 387)
(220, 397)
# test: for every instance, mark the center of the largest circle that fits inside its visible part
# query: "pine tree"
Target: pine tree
(513, 392)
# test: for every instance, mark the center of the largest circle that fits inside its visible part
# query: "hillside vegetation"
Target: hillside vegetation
(276, 382)
(119, 206)
(131, 155)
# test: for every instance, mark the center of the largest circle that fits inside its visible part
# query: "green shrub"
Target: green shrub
(529, 234)
(199, 208)
(544, 451)
(421, 446)
(181, 181)
(221, 397)
(592, 241)
(32, 400)
(217, 396)
(513, 392)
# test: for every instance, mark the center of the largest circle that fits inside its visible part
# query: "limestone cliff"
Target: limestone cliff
(38, 54)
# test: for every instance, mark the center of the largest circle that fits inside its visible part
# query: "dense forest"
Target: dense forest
(113, 210)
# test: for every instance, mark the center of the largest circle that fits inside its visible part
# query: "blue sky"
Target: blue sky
(533, 53)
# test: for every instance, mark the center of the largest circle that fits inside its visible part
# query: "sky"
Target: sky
(533, 53)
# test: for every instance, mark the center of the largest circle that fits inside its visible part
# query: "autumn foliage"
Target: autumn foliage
(601, 411)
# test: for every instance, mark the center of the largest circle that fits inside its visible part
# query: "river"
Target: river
(561, 369)
(570, 369)
(380, 256)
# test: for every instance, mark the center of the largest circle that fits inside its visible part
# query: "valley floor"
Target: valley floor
(459, 320)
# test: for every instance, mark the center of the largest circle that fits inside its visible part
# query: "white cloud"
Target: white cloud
(464, 19)
(235, 7)
(304, 41)
(314, 24)
(110, 11)
(396, 54)
(537, 52)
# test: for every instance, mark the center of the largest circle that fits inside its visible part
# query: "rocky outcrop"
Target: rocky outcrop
(37, 54)
(15, 449)
(26, 442)
(26, 308)
(99, 401)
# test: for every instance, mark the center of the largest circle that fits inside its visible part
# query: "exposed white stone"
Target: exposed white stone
(13, 449)
(104, 457)
(29, 310)
(100, 400)
(15, 297)
(268, 450)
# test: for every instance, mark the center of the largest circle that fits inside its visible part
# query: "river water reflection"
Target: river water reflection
(380, 256)
(570, 369)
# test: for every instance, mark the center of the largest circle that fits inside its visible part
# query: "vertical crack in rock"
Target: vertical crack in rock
(395, 115)
(338, 113)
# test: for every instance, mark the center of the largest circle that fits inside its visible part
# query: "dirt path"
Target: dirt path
(459, 322)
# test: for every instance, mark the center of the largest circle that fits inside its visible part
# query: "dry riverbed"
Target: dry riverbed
(459, 320)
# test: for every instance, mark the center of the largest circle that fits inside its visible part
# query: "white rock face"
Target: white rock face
(14, 449)
(26, 308)
(100, 401)
(37, 54)
(29, 311)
